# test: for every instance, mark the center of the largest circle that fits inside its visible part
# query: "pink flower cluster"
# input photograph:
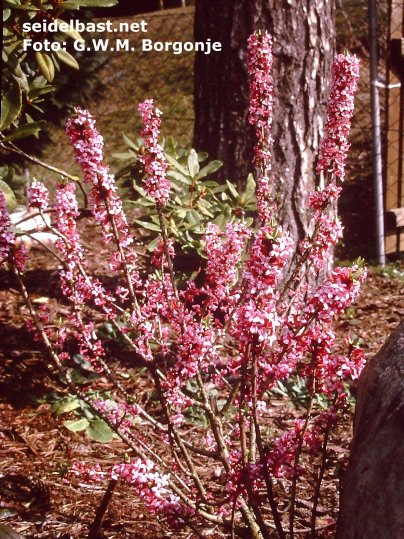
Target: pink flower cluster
(106, 205)
(66, 213)
(76, 285)
(257, 315)
(38, 196)
(157, 184)
(319, 200)
(224, 257)
(329, 231)
(7, 239)
(141, 474)
(334, 149)
(336, 293)
(259, 65)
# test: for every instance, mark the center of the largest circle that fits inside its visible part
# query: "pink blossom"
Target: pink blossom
(156, 185)
(318, 200)
(106, 205)
(334, 149)
(38, 196)
(259, 65)
(7, 239)
(329, 231)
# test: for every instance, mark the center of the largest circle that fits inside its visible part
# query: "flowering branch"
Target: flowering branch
(213, 348)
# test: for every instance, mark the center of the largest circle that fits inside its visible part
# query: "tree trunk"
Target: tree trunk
(373, 490)
(303, 49)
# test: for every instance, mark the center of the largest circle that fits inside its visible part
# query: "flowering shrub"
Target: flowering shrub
(220, 347)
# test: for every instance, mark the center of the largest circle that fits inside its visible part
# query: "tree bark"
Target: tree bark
(304, 42)
(373, 489)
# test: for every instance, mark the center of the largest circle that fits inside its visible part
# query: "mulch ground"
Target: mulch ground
(36, 448)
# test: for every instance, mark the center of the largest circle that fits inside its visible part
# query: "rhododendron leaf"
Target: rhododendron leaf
(249, 189)
(212, 167)
(203, 210)
(224, 217)
(142, 192)
(67, 59)
(45, 65)
(148, 226)
(180, 177)
(152, 245)
(11, 201)
(13, 5)
(25, 131)
(202, 156)
(182, 213)
(11, 105)
(77, 425)
(99, 431)
(193, 163)
(232, 189)
(176, 164)
(76, 4)
(124, 155)
(34, 93)
(193, 217)
(130, 142)
(208, 184)
(68, 30)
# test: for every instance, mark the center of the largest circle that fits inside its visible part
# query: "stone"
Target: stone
(372, 501)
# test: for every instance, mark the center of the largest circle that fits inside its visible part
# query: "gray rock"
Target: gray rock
(372, 501)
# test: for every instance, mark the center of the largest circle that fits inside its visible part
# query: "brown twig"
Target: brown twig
(316, 494)
(95, 527)
(299, 450)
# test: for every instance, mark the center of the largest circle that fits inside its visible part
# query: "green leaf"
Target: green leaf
(71, 32)
(232, 189)
(11, 201)
(45, 65)
(193, 164)
(212, 167)
(11, 105)
(21, 6)
(67, 58)
(77, 425)
(249, 190)
(202, 156)
(148, 226)
(180, 177)
(152, 245)
(203, 210)
(99, 431)
(193, 217)
(65, 405)
(124, 155)
(223, 217)
(129, 142)
(25, 131)
(76, 4)
(175, 164)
